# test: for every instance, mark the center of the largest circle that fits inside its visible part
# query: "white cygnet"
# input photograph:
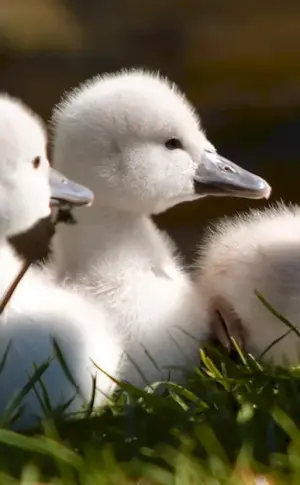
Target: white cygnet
(137, 142)
(41, 310)
(252, 253)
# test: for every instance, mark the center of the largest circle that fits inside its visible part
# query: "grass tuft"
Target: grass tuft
(233, 421)
(236, 422)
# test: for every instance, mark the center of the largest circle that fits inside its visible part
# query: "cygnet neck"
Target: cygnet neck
(128, 234)
(110, 241)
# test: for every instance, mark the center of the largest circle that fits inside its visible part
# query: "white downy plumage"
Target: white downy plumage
(40, 309)
(134, 139)
(255, 252)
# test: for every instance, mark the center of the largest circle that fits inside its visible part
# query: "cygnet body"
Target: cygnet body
(255, 252)
(135, 140)
(40, 310)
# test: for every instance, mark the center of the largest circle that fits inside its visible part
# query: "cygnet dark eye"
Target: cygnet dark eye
(174, 144)
(36, 162)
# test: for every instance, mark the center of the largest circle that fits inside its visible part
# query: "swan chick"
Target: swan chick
(42, 312)
(137, 142)
(249, 253)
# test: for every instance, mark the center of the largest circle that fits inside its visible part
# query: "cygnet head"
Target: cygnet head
(26, 180)
(137, 141)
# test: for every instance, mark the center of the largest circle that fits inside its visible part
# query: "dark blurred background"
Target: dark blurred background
(238, 62)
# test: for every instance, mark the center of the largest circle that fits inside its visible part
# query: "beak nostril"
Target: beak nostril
(228, 169)
(218, 176)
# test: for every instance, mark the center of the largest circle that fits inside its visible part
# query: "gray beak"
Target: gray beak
(66, 192)
(217, 176)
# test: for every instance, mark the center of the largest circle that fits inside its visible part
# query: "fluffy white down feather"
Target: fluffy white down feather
(40, 309)
(113, 134)
(110, 133)
(258, 251)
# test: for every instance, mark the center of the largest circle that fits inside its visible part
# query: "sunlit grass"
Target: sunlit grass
(234, 419)
(236, 422)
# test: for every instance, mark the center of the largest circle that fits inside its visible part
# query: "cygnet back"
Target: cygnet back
(255, 252)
